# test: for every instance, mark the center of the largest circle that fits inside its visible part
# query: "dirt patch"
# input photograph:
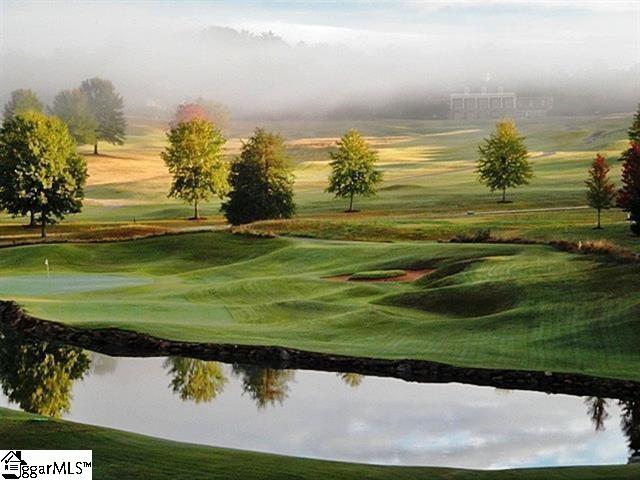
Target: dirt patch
(409, 276)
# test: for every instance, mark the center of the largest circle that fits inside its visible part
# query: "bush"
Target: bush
(479, 236)
(597, 247)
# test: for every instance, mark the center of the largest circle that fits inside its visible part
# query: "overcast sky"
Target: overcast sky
(404, 44)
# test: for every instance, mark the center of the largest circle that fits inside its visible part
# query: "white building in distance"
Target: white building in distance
(472, 106)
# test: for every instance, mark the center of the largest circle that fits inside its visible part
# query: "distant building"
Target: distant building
(472, 106)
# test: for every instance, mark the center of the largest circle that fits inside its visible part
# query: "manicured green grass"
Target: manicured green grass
(118, 455)
(509, 306)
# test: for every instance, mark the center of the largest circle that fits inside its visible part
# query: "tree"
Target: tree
(39, 376)
(72, 107)
(634, 130)
(261, 182)
(202, 108)
(107, 107)
(630, 424)
(352, 168)
(352, 379)
(601, 191)
(503, 159)
(194, 158)
(629, 193)
(597, 410)
(40, 170)
(22, 101)
(264, 385)
(195, 380)
(186, 112)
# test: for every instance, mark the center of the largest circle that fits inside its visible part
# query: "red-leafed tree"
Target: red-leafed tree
(629, 194)
(201, 109)
(601, 192)
(187, 112)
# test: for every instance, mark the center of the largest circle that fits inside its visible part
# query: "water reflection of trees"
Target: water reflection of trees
(630, 424)
(196, 380)
(266, 386)
(39, 376)
(629, 419)
(597, 410)
(352, 379)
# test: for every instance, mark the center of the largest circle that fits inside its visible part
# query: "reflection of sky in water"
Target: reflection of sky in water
(381, 421)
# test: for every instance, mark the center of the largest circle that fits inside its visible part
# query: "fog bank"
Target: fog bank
(326, 59)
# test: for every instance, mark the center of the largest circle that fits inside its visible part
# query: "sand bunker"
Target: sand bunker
(409, 276)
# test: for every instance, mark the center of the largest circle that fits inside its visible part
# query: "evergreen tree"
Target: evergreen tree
(40, 170)
(22, 101)
(503, 159)
(72, 107)
(107, 107)
(194, 158)
(261, 182)
(634, 130)
(629, 194)
(601, 192)
(353, 168)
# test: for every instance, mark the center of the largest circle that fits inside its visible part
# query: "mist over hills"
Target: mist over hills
(260, 74)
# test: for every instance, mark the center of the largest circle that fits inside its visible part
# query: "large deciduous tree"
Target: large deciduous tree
(72, 107)
(194, 159)
(353, 170)
(503, 159)
(22, 100)
(261, 181)
(40, 170)
(107, 108)
(629, 193)
(601, 191)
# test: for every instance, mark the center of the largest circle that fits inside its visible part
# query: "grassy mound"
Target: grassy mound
(377, 275)
(501, 306)
(119, 455)
(463, 301)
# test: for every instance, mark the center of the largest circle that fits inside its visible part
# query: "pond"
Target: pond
(317, 414)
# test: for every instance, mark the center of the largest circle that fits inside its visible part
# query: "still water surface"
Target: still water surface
(317, 414)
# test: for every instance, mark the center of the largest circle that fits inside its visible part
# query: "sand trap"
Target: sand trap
(409, 276)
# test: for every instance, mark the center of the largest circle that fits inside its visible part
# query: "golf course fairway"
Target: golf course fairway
(484, 305)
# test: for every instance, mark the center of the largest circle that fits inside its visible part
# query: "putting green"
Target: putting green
(57, 283)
